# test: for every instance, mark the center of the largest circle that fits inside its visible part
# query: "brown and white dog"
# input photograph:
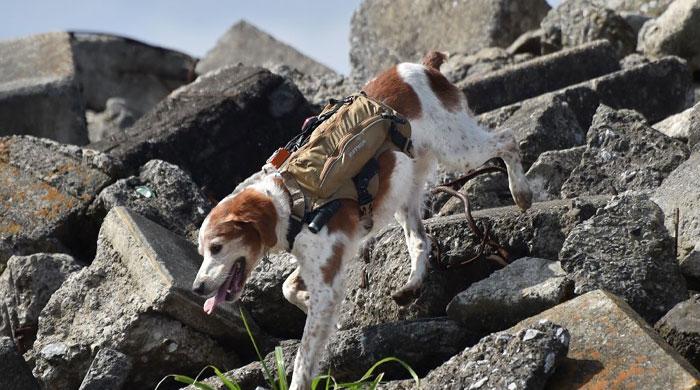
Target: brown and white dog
(253, 220)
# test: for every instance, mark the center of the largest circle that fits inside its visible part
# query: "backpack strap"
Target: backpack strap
(364, 197)
(298, 207)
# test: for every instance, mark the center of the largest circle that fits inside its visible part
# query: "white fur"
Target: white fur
(453, 138)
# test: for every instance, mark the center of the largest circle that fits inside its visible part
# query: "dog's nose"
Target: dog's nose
(198, 287)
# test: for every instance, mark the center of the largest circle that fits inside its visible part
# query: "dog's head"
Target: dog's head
(232, 239)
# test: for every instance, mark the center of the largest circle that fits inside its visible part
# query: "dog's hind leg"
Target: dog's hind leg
(294, 290)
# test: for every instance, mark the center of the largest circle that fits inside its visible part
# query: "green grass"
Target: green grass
(327, 382)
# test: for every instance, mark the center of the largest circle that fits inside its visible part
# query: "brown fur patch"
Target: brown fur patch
(447, 92)
(434, 59)
(387, 162)
(345, 219)
(391, 90)
(250, 215)
(332, 267)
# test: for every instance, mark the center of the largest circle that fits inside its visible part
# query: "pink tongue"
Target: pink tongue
(220, 296)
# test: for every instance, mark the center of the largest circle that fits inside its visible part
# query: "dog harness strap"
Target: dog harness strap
(298, 207)
(403, 143)
(364, 197)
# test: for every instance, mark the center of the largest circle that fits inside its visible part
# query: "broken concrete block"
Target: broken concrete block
(109, 371)
(626, 250)
(136, 298)
(539, 232)
(45, 188)
(246, 44)
(526, 287)
(623, 153)
(163, 193)
(110, 66)
(684, 125)
(525, 359)
(551, 170)
(39, 92)
(238, 111)
(25, 287)
(116, 117)
(378, 41)
(680, 327)
(613, 347)
(539, 75)
(484, 192)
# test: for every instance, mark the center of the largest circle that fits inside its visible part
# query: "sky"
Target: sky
(318, 28)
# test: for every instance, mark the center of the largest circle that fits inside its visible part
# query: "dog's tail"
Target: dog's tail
(434, 59)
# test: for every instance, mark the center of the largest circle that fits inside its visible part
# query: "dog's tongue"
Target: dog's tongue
(210, 304)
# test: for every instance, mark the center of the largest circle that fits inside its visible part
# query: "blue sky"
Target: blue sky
(318, 28)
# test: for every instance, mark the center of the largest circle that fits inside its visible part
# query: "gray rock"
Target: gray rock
(484, 192)
(163, 193)
(626, 250)
(661, 88)
(539, 232)
(522, 360)
(612, 347)
(239, 111)
(651, 8)
(526, 287)
(574, 22)
(378, 40)
(39, 91)
(45, 189)
(108, 371)
(675, 32)
(460, 66)
(539, 75)
(690, 266)
(680, 327)
(635, 20)
(623, 153)
(529, 42)
(245, 43)
(633, 60)
(262, 297)
(680, 191)
(25, 287)
(549, 172)
(135, 298)
(318, 89)
(111, 66)
(16, 375)
(116, 117)
(684, 125)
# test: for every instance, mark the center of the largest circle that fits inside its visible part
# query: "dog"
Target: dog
(254, 219)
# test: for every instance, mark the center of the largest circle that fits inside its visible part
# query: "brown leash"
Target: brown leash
(486, 239)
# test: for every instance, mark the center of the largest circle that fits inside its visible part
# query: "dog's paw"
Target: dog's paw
(405, 295)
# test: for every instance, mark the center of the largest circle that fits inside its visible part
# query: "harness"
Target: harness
(334, 157)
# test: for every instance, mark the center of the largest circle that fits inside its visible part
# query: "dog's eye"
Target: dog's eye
(214, 249)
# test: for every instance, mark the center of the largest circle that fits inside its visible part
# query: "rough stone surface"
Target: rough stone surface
(526, 287)
(651, 8)
(135, 298)
(224, 125)
(462, 66)
(519, 360)
(613, 348)
(25, 287)
(549, 172)
(39, 93)
(539, 75)
(378, 41)
(244, 43)
(675, 32)
(684, 125)
(318, 89)
(574, 22)
(529, 42)
(626, 250)
(163, 193)
(16, 375)
(110, 66)
(690, 267)
(116, 117)
(680, 191)
(45, 189)
(108, 371)
(262, 297)
(623, 153)
(539, 232)
(661, 88)
(680, 327)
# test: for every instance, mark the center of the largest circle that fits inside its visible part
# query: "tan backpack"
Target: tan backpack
(336, 151)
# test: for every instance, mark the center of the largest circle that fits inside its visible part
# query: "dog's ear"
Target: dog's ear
(434, 59)
(258, 211)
